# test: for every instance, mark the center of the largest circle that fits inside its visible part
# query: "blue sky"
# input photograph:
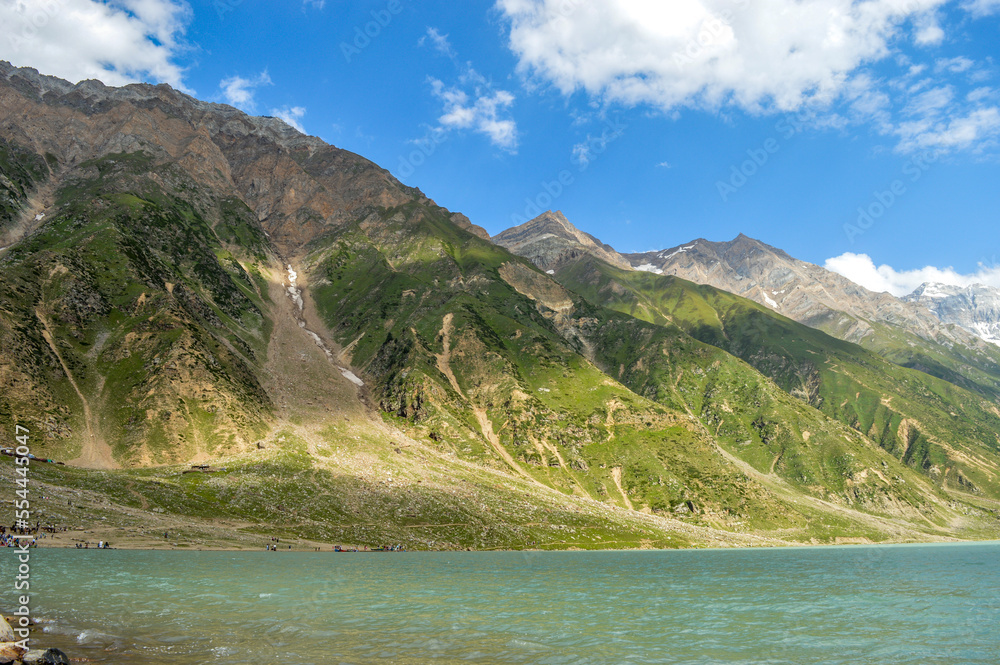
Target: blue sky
(864, 132)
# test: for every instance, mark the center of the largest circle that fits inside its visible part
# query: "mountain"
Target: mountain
(550, 242)
(185, 284)
(905, 333)
(802, 291)
(909, 413)
(975, 309)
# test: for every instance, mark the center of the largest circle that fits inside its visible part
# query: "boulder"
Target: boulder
(47, 657)
(54, 657)
(6, 632)
(10, 653)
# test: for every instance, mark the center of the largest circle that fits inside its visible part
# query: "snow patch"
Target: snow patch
(648, 267)
(680, 250)
(40, 216)
(550, 272)
(770, 302)
(350, 376)
(935, 291)
(294, 292)
(987, 331)
(319, 341)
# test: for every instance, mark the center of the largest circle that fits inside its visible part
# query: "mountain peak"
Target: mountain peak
(550, 241)
(255, 158)
(548, 222)
(975, 308)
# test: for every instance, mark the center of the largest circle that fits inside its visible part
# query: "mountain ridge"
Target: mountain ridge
(975, 308)
(549, 240)
(906, 333)
(184, 284)
(843, 380)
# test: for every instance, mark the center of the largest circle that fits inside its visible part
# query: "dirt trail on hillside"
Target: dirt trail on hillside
(486, 427)
(780, 486)
(96, 453)
(616, 473)
(444, 358)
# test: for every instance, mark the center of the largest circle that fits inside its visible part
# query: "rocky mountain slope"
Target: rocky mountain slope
(186, 283)
(802, 291)
(975, 308)
(550, 242)
(912, 415)
(905, 333)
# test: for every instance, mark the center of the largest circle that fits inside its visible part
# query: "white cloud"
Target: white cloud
(239, 92)
(860, 269)
(955, 65)
(930, 102)
(982, 7)
(117, 42)
(979, 94)
(291, 115)
(474, 104)
(818, 57)
(439, 42)
(753, 54)
(976, 130)
(315, 4)
(665, 165)
(582, 153)
(927, 30)
(585, 151)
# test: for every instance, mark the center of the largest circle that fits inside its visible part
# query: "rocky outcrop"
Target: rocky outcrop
(298, 185)
(799, 290)
(808, 293)
(975, 308)
(550, 242)
(47, 657)
(464, 223)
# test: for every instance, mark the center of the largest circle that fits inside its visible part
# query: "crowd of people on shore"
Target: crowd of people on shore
(10, 540)
(19, 536)
(275, 542)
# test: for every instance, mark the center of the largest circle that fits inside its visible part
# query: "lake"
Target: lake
(844, 605)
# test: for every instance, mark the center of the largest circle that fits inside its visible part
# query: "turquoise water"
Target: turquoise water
(849, 605)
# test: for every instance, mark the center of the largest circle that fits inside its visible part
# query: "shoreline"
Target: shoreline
(328, 549)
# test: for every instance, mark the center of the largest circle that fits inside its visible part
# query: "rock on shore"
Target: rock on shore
(12, 654)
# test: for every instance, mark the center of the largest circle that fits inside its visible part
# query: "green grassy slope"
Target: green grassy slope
(127, 299)
(695, 430)
(927, 423)
(976, 370)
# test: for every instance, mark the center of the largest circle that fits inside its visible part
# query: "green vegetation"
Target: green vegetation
(653, 410)
(915, 417)
(501, 408)
(159, 326)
